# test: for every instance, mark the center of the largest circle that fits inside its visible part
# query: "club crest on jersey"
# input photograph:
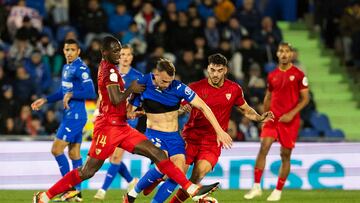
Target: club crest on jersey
(228, 96)
(292, 77)
(97, 151)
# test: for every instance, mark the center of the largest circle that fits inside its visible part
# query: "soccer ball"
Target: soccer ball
(208, 200)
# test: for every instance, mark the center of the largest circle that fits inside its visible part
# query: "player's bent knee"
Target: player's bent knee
(86, 174)
(158, 154)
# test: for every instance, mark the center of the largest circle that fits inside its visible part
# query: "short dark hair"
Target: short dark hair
(106, 42)
(217, 59)
(165, 65)
(286, 44)
(72, 41)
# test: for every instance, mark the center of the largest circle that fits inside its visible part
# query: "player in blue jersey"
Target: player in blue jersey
(128, 74)
(161, 101)
(76, 87)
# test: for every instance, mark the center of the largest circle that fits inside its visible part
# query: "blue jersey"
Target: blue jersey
(131, 76)
(76, 79)
(155, 100)
(128, 78)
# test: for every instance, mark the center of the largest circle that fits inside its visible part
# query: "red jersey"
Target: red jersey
(220, 100)
(285, 89)
(108, 74)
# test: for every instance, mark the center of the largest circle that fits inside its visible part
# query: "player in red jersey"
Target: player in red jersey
(111, 131)
(220, 95)
(286, 95)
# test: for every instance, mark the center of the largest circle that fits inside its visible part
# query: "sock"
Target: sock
(149, 178)
(165, 191)
(110, 175)
(67, 182)
(179, 197)
(257, 175)
(280, 184)
(173, 172)
(63, 164)
(77, 164)
(124, 172)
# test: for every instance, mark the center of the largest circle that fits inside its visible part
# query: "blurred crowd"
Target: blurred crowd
(339, 25)
(185, 31)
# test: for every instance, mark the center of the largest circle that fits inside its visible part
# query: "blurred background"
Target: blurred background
(325, 34)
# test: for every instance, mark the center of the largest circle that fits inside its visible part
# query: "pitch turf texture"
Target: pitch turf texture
(223, 196)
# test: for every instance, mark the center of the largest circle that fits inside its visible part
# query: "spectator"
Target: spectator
(9, 127)
(50, 122)
(223, 10)
(27, 31)
(9, 104)
(188, 69)
(212, 33)
(248, 129)
(206, 9)
(181, 35)
(17, 14)
(39, 73)
(135, 39)
(19, 51)
(269, 37)
(249, 16)
(256, 85)
(23, 122)
(59, 9)
(147, 18)
(233, 32)
(120, 21)
(24, 86)
(35, 128)
(94, 22)
(234, 132)
(159, 37)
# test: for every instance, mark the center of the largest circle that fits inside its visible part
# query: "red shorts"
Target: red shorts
(286, 133)
(195, 151)
(107, 137)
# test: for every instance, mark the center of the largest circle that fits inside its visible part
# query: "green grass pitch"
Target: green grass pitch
(223, 196)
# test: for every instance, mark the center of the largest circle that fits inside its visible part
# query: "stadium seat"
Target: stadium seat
(336, 133)
(320, 122)
(309, 132)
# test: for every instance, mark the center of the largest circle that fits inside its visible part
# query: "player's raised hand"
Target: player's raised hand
(225, 139)
(136, 87)
(66, 100)
(267, 116)
(37, 104)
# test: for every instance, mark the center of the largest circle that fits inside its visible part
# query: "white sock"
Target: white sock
(192, 189)
(133, 193)
(44, 197)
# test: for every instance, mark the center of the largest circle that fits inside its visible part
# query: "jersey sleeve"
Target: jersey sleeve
(111, 76)
(136, 100)
(142, 79)
(239, 100)
(87, 91)
(303, 81)
(185, 92)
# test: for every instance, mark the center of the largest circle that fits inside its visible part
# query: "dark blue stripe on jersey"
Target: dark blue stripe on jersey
(151, 106)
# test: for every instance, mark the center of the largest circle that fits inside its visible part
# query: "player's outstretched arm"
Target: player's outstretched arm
(116, 96)
(222, 136)
(251, 114)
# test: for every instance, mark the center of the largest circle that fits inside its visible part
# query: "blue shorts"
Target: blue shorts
(70, 130)
(172, 142)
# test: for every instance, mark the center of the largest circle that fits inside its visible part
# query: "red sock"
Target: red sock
(179, 197)
(280, 184)
(173, 172)
(257, 175)
(67, 182)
